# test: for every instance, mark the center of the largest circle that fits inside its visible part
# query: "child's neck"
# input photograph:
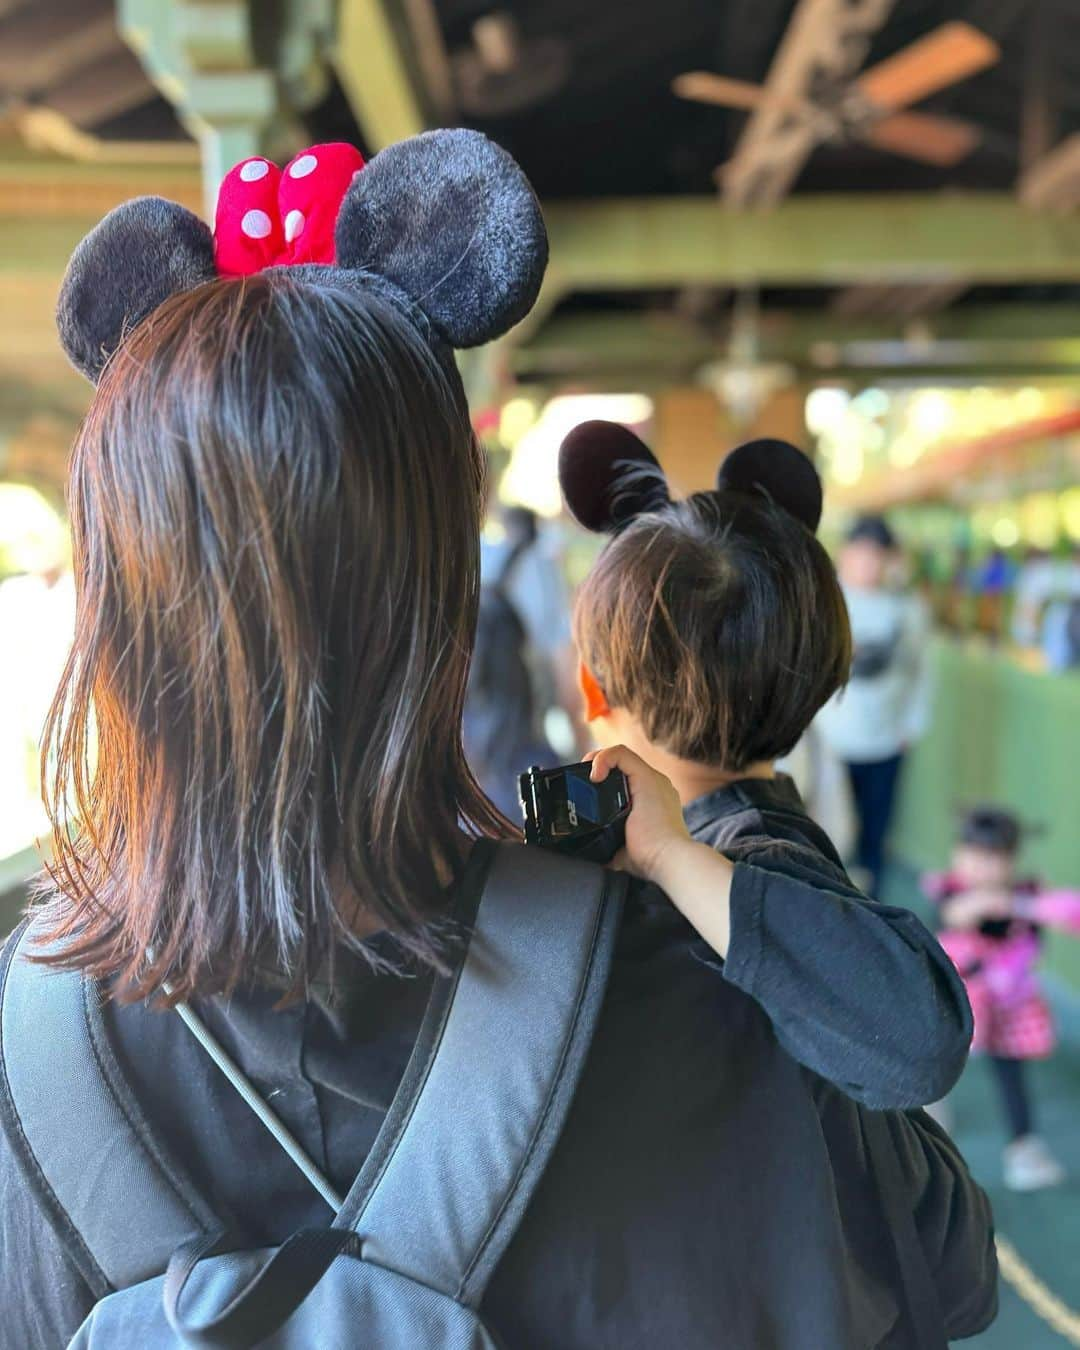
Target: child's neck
(692, 780)
(690, 777)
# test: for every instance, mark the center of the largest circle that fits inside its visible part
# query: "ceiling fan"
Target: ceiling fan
(874, 106)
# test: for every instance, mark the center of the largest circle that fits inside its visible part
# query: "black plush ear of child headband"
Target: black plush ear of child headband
(608, 476)
(447, 218)
(781, 471)
(451, 220)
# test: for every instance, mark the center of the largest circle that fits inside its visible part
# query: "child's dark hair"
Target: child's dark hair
(719, 623)
(992, 828)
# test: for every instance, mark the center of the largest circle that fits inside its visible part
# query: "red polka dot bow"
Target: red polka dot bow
(271, 217)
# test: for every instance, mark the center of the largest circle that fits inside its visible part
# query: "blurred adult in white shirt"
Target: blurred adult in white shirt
(885, 707)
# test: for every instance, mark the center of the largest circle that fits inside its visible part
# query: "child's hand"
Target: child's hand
(655, 829)
(659, 848)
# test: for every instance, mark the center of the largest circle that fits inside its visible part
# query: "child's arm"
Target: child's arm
(968, 909)
(1053, 909)
(696, 879)
(860, 993)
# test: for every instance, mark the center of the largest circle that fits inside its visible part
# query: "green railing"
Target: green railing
(1000, 734)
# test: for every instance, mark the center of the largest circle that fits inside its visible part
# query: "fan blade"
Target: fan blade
(933, 140)
(947, 55)
(703, 87)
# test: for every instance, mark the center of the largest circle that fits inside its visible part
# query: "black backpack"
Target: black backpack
(405, 1263)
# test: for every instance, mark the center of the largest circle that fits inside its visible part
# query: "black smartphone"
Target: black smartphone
(564, 810)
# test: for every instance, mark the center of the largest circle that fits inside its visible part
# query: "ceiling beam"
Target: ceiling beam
(834, 239)
(378, 70)
(1005, 338)
(63, 197)
(51, 133)
(111, 85)
(640, 244)
(902, 302)
(40, 48)
(650, 243)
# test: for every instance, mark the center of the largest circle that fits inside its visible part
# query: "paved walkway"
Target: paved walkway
(1043, 1227)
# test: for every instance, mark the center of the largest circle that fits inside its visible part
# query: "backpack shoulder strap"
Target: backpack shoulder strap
(113, 1196)
(492, 1076)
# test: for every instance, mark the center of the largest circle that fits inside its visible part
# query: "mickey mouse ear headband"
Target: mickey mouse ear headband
(608, 476)
(446, 218)
(781, 471)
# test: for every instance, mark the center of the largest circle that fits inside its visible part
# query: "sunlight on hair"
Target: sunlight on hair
(532, 478)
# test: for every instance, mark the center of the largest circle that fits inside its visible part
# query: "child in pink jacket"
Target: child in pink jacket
(992, 922)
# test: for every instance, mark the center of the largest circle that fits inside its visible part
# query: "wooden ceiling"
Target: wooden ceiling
(868, 241)
(598, 117)
(614, 127)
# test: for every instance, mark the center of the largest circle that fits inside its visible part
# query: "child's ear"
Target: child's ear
(596, 704)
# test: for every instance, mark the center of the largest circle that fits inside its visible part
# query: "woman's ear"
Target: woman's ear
(451, 220)
(133, 260)
(596, 704)
(779, 470)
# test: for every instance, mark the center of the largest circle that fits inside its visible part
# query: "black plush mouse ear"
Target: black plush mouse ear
(778, 469)
(140, 254)
(451, 220)
(608, 476)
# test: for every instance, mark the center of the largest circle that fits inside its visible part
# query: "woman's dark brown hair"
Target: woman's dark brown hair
(718, 623)
(255, 750)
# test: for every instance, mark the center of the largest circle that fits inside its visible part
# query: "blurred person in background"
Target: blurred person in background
(825, 788)
(993, 581)
(993, 919)
(526, 566)
(1061, 635)
(870, 724)
(502, 730)
(1047, 591)
(956, 601)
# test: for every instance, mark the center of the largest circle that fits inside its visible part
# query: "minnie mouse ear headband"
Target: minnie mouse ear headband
(446, 219)
(608, 476)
